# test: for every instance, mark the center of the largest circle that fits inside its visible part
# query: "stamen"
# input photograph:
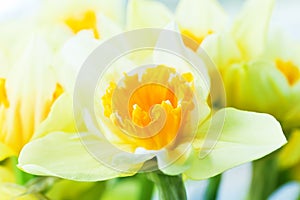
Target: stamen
(289, 70)
(87, 21)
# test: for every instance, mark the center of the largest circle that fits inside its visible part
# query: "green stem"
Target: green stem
(169, 187)
(264, 177)
(147, 188)
(212, 188)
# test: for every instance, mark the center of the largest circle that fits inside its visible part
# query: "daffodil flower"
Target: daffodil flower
(101, 17)
(24, 101)
(196, 18)
(259, 74)
(245, 40)
(166, 118)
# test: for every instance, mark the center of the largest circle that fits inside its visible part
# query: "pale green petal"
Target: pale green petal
(13, 43)
(251, 27)
(71, 56)
(222, 49)
(278, 43)
(201, 16)
(173, 162)
(245, 136)
(114, 9)
(63, 155)
(201, 77)
(107, 27)
(61, 117)
(147, 14)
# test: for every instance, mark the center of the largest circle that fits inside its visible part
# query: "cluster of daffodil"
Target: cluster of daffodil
(42, 154)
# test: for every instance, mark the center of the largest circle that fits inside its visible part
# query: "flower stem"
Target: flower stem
(169, 187)
(147, 187)
(212, 188)
(264, 177)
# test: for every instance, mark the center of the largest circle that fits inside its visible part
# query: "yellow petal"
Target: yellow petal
(60, 118)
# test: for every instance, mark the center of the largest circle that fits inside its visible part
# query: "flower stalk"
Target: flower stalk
(212, 188)
(169, 187)
(264, 178)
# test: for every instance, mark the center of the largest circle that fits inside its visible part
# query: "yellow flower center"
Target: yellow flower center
(145, 97)
(3, 96)
(86, 21)
(149, 110)
(198, 39)
(289, 70)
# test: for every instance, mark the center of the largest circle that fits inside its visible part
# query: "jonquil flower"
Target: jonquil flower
(24, 101)
(259, 74)
(154, 115)
(101, 17)
(196, 18)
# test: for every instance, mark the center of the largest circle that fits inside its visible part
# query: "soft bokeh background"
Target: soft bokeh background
(235, 182)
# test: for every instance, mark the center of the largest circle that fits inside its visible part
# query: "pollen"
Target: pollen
(289, 70)
(87, 20)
